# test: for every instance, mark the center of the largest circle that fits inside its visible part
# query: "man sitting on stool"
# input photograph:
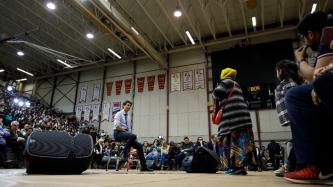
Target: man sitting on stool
(122, 132)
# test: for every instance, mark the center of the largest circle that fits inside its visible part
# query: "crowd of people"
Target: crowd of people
(303, 102)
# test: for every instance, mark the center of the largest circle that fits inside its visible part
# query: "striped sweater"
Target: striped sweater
(235, 114)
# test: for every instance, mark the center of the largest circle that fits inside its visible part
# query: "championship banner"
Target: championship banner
(83, 93)
(141, 83)
(116, 107)
(128, 85)
(118, 86)
(78, 113)
(199, 78)
(86, 113)
(188, 80)
(161, 81)
(95, 109)
(109, 88)
(106, 111)
(96, 92)
(175, 82)
(151, 82)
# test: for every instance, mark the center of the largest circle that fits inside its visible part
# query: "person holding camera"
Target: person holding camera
(308, 108)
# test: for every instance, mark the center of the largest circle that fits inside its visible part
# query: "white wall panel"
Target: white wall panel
(150, 106)
(188, 109)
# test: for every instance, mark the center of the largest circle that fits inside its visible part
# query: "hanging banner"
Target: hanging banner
(128, 85)
(78, 112)
(141, 83)
(83, 93)
(175, 82)
(161, 81)
(86, 113)
(106, 111)
(199, 79)
(95, 110)
(109, 88)
(118, 86)
(116, 107)
(151, 82)
(188, 80)
(96, 92)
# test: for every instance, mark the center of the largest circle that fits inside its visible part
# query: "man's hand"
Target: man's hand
(315, 98)
(322, 70)
(300, 53)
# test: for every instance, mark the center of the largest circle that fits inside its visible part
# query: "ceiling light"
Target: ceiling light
(2, 70)
(64, 63)
(314, 6)
(133, 29)
(90, 35)
(16, 100)
(27, 104)
(20, 53)
(190, 37)
(21, 70)
(20, 80)
(254, 21)
(51, 5)
(114, 53)
(9, 88)
(177, 13)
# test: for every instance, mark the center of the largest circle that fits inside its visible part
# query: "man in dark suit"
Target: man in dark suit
(213, 144)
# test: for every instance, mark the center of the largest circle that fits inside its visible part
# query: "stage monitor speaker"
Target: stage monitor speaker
(53, 152)
(205, 161)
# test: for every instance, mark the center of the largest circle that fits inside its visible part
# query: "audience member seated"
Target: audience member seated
(309, 113)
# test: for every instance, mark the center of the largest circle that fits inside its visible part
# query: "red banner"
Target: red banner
(141, 83)
(151, 82)
(128, 84)
(161, 81)
(109, 88)
(118, 86)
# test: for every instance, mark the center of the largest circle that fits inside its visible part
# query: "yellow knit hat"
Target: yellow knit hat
(228, 72)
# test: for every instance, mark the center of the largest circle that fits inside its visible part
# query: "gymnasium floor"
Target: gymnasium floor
(134, 178)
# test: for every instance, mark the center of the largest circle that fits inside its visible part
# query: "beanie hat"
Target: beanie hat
(228, 72)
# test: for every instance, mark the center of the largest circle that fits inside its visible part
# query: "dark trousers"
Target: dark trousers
(323, 87)
(309, 127)
(3, 157)
(131, 141)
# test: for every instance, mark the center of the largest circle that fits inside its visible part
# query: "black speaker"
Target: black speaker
(52, 152)
(204, 161)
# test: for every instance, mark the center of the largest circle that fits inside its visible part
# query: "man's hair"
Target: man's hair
(127, 101)
(312, 22)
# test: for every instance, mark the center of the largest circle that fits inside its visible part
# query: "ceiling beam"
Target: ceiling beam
(171, 21)
(220, 41)
(123, 25)
(241, 2)
(154, 23)
(324, 6)
(57, 29)
(262, 14)
(192, 25)
(93, 42)
(301, 9)
(25, 19)
(208, 17)
(281, 9)
(97, 21)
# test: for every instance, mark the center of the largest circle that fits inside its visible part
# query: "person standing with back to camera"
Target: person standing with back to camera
(235, 127)
(122, 131)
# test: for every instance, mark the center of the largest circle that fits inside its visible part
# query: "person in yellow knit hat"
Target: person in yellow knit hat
(228, 72)
(234, 124)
